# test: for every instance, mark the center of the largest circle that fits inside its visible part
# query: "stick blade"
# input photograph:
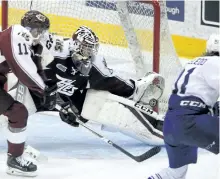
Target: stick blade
(150, 153)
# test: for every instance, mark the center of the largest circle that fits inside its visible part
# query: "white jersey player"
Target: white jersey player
(188, 125)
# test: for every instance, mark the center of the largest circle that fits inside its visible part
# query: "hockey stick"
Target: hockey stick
(147, 116)
(150, 153)
(136, 105)
(141, 111)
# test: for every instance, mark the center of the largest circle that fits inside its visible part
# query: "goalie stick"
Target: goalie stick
(150, 153)
(136, 105)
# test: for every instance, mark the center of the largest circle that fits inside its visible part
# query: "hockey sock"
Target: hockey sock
(16, 140)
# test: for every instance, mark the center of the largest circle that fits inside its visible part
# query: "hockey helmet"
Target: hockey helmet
(85, 43)
(36, 22)
(212, 44)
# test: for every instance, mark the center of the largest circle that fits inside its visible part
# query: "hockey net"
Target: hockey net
(134, 36)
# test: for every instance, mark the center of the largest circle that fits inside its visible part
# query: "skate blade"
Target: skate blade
(17, 172)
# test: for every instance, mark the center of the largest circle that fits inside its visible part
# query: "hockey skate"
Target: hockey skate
(35, 154)
(169, 173)
(19, 166)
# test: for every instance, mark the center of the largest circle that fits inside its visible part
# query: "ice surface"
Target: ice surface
(75, 153)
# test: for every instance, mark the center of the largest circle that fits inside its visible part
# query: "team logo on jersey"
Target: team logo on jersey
(61, 67)
(65, 86)
(74, 71)
(25, 35)
(216, 41)
(58, 45)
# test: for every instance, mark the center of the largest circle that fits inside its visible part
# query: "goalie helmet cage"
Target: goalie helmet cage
(133, 34)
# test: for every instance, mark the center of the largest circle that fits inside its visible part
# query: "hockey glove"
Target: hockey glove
(49, 98)
(216, 108)
(68, 118)
(37, 49)
(37, 59)
(149, 89)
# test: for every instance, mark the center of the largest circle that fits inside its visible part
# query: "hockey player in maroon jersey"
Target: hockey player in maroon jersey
(17, 44)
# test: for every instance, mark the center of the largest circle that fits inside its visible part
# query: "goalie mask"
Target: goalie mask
(37, 23)
(84, 46)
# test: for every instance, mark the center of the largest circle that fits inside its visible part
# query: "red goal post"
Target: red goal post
(135, 33)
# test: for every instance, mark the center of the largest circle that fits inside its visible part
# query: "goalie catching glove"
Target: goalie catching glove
(149, 89)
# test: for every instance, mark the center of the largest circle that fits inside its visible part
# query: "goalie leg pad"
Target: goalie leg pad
(99, 108)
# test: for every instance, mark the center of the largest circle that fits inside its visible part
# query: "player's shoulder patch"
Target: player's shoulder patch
(25, 35)
(104, 62)
(22, 34)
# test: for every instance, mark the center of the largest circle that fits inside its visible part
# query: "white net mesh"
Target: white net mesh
(125, 29)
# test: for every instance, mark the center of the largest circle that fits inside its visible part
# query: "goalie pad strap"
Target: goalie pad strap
(140, 116)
